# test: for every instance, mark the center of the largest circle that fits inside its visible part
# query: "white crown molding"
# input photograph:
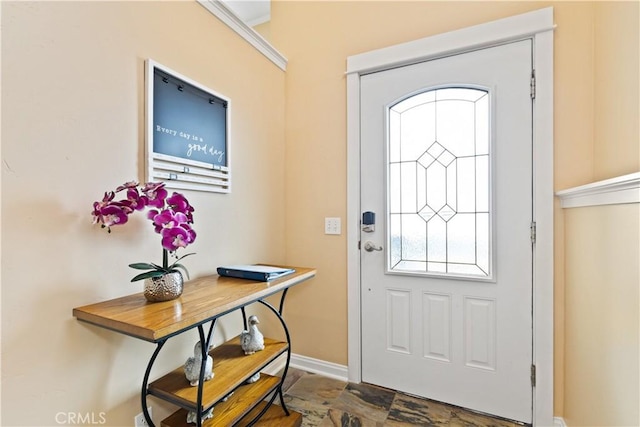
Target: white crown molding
(259, 20)
(232, 20)
(620, 190)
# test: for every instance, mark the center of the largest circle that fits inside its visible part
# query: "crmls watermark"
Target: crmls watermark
(81, 418)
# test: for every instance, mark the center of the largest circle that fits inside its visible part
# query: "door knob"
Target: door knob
(369, 246)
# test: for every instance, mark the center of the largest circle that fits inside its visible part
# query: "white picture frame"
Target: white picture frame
(187, 132)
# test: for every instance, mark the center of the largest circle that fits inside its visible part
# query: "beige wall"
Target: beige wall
(602, 244)
(72, 128)
(602, 294)
(617, 89)
(317, 37)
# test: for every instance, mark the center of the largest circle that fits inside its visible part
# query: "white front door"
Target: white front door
(446, 271)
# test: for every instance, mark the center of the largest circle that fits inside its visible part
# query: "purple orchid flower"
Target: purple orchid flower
(136, 201)
(98, 206)
(190, 232)
(112, 215)
(174, 238)
(170, 217)
(126, 205)
(130, 184)
(179, 203)
(151, 215)
(155, 194)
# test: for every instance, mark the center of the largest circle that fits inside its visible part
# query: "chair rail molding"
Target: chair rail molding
(232, 20)
(619, 190)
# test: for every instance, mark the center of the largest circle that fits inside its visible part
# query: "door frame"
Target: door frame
(538, 26)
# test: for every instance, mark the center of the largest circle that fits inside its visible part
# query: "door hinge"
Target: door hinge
(533, 231)
(533, 84)
(533, 375)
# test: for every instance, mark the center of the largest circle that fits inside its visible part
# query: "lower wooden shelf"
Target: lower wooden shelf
(236, 407)
(274, 417)
(231, 367)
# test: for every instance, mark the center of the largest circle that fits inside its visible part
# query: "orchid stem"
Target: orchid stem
(165, 259)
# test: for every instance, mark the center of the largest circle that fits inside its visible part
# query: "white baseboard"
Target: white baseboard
(309, 364)
(316, 366)
(558, 422)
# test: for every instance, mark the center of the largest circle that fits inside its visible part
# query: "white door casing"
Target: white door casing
(538, 26)
(446, 167)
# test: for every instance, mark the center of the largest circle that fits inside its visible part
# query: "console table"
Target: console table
(203, 301)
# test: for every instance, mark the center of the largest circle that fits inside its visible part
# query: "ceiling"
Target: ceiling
(252, 12)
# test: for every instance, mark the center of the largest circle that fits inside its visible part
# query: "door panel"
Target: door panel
(446, 166)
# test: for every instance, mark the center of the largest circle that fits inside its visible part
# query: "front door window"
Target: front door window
(438, 183)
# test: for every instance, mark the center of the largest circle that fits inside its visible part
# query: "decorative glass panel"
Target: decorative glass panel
(439, 184)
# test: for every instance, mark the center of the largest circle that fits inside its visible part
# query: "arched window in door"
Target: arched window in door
(438, 176)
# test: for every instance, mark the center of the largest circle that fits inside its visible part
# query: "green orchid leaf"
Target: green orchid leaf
(157, 270)
(183, 256)
(176, 262)
(148, 274)
(143, 266)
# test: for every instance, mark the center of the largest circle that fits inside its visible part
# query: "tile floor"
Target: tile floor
(326, 402)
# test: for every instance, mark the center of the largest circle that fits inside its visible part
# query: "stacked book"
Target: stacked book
(262, 273)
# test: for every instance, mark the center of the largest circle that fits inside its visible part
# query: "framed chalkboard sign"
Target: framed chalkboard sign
(187, 132)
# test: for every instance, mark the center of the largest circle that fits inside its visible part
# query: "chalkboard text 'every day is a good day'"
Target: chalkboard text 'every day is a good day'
(193, 147)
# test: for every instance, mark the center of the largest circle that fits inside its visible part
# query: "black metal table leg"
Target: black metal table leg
(145, 383)
(286, 366)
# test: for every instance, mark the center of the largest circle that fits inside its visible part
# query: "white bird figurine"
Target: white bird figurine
(252, 340)
(253, 379)
(192, 417)
(192, 366)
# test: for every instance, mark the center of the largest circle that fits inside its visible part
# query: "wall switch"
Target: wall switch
(139, 421)
(332, 226)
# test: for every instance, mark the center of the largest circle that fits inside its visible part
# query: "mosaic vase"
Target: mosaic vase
(164, 288)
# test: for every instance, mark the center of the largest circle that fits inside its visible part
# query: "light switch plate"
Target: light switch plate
(332, 226)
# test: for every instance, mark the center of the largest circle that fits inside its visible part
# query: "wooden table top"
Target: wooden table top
(202, 299)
